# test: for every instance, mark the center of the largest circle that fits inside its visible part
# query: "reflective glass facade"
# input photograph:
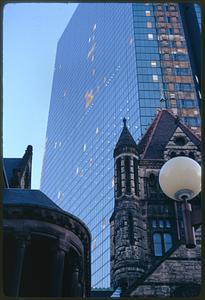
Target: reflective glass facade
(113, 61)
(198, 14)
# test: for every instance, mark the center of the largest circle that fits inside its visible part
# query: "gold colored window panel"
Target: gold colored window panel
(168, 71)
(88, 98)
(186, 95)
(182, 50)
(170, 87)
(173, 103)
(91, 50)
(149, 24)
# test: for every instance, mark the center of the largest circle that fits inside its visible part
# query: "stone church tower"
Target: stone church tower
(128, 238)
(148, 252)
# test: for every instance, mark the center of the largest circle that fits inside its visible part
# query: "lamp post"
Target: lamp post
(180, 180)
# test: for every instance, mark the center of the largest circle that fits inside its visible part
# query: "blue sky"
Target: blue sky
(30, 36)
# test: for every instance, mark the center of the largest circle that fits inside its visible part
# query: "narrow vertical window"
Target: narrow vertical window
(127, 174)
(136, 177)
(167, 241)
(157, 244)
(119, 180)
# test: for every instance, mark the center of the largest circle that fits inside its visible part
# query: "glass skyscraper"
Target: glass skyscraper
(113, 61)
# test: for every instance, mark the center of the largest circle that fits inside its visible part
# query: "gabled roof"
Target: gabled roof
(160, 132)
(125, 139)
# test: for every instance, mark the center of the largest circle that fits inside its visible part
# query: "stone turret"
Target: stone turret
(128, 230)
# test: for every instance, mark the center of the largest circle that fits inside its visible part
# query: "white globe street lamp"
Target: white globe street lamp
(180, 180)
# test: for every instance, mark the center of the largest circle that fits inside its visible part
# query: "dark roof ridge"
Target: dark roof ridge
(155, 123)
(187, 127)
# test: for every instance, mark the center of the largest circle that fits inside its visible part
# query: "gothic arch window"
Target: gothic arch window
(136, 176)
(167, 241)
(162, 242)
(127, 174)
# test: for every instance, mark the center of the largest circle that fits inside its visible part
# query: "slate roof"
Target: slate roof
(28, 197)
(159, 133)
(9, 165)
(34, 198)
(125, 139)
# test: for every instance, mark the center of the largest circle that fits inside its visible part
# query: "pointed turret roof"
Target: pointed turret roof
(125, 140)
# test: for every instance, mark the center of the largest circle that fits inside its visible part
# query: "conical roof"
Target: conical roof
(125, 141)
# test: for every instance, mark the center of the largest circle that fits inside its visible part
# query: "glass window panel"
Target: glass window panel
(154, 223)
(155, 77)
(157, 244)
(153, 63)
(167, 224)
(161, 223)
(167, 241)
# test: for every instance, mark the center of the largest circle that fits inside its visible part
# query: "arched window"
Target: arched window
(127, 174)
(157, 244)
(119, 179)
(136, 177)
(167, 241)
(162, 242)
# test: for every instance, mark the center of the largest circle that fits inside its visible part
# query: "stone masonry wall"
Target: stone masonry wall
(183, 267)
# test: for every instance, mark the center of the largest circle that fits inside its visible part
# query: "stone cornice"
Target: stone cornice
(48, 215)
(151, 163)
